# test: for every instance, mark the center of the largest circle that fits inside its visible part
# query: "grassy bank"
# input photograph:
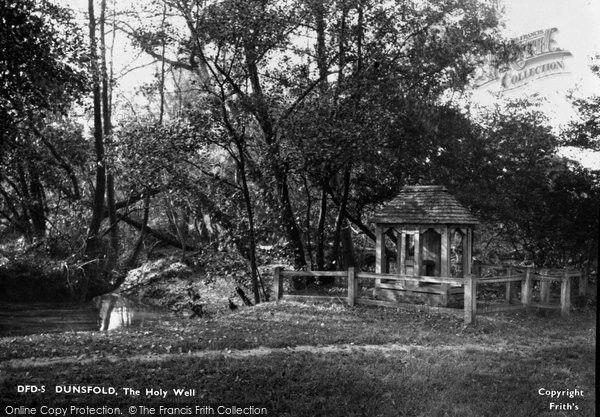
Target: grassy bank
(351, 361)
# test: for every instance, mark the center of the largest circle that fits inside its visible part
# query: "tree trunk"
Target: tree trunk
(159, 235)
(342, 48)
(95, 267)
(131, 262)
(22, 190)
(162, 71)
(319, 14)
(347, 247)
(250, 213)
(36, 206)
(277, 164)
(321, 231)
(335, 258)
(107, 125)
(308, 222)
(92, 242)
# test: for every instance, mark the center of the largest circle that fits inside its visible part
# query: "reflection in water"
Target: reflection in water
(105, 313)
(34, 318)
(116, 312)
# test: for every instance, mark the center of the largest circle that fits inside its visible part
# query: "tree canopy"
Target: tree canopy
(41, 61)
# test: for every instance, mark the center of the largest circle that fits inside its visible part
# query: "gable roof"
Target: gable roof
(424, 204)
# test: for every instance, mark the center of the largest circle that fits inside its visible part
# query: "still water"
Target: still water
(105, 313)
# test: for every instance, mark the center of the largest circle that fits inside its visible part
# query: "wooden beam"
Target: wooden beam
(501, 279)
(420, 278)
(314, 273)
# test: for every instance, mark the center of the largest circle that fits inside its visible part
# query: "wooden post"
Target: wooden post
(583, 281)
(469, 299)
(352, 287)
(278, 283)
(565, 294)
(380, 260)
(544, 288)
(509, 285)
(401, 256)
(417, 240)
(526, 287)
(445, 255)
(467, 251)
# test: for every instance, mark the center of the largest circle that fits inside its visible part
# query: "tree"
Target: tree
(508, 171)
(101, 277)
(39, 179)
(41, 74)
(41, 57)
(372, 62)
(374, 128)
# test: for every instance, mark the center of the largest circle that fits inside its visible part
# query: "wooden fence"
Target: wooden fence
(526, 276)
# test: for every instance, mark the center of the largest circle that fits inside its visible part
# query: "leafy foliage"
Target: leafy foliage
(509, 171)
(41, 64)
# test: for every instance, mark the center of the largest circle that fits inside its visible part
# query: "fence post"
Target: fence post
(526, 288)
(565, 294)
(278, 283)
(509, 285)
(351, 286)
(469, 299)
(583, 281)
(544, 288)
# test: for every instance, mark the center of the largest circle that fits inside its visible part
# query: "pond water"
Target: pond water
(104, 313)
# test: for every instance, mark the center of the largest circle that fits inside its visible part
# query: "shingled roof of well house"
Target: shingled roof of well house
(424, 204)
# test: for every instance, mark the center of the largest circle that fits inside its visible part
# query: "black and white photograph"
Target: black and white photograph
(304, 208)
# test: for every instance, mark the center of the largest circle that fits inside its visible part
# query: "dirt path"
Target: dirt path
(386, 350)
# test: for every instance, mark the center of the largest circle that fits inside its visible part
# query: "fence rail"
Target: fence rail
(526, 276)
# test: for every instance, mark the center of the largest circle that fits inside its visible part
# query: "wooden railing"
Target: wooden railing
(526, 276)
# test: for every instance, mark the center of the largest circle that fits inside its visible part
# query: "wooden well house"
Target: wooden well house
(433, 236)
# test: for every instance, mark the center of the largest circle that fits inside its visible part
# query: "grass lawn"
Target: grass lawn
(321, 360)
